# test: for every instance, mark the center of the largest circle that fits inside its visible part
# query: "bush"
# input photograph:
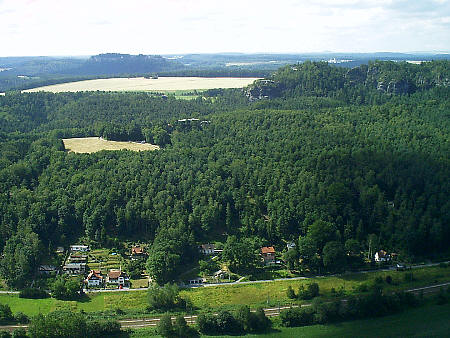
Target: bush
(253, 321)
(21, 318)
(164, 326)
(312, 290)
(165, 298)
(223, 323)
(59, 324)
(103, 328)
(66, 288)
(297, 317)
(19, 333)
(207, 324)
(182, 330)
(6, 315)
(33, 293)
(388, 279)
(291, 293)
(5, 334)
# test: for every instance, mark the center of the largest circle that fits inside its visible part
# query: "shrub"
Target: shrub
(165, 298)
(291, 293)
(182, 330)
(19, 333)
(103, 328)
(6, 315)
(223, 323)
(33, 293)
(5, 334)
(21, 318)
(164, 326)
(388, 279)
(312, 290)
(207, 324)
(297, 317)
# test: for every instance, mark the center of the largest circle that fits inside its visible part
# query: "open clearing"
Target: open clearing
(143, 84)
(94, 144)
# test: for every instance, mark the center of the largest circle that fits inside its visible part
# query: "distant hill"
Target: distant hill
(114, 63)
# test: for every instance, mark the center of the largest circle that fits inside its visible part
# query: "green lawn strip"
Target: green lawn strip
(268, 294)
(274, 293)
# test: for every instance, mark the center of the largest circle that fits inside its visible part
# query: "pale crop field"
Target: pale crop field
(143, 84)
(93, 144)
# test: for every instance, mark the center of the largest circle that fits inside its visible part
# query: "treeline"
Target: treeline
(337, 179)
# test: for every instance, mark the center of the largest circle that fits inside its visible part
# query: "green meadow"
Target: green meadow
(231, 296)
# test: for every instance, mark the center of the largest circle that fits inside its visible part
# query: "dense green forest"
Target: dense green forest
(336, 160)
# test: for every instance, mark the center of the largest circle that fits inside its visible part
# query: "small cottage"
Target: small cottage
(94, 279)
(268, 254)
(138, 252)
(117, 277)
(79, 248)
(75, 268)
(207, 249)
(382, 256)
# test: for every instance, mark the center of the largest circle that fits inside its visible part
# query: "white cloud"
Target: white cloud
(51, 27)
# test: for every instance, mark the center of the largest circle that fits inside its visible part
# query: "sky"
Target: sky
(88, 27)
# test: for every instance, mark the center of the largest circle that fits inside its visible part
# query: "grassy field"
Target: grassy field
(231, 296)
(274, 293)
(143, 84)
(94, 144)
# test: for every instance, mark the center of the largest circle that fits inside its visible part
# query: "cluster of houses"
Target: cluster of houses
(77, 263)
(115, 277)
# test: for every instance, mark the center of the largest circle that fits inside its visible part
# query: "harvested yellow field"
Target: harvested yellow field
(143, 84)
(93, 144)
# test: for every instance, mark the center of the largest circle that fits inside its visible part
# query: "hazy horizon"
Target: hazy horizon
(83, 28)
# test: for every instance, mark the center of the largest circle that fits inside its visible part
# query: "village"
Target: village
(106, 269)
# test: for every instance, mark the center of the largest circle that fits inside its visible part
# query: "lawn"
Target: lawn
(231, 296)
(274, 293)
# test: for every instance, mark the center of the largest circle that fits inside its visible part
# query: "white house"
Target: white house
(75, 268)
(79, 248)
(382, 256)
(207, 249)
(117, 277)
(94, 279)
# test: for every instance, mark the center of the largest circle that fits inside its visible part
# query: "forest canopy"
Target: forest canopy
(331, 158)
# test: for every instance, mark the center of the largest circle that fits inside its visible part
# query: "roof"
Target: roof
(94, 274)
(114, 274)
(207, 246)
(267, 249)
(137, 250)
(74, 265)
(382, 253)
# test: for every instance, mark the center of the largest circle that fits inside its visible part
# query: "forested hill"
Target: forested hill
(356, 85)
(114, 63)
(328, 174)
